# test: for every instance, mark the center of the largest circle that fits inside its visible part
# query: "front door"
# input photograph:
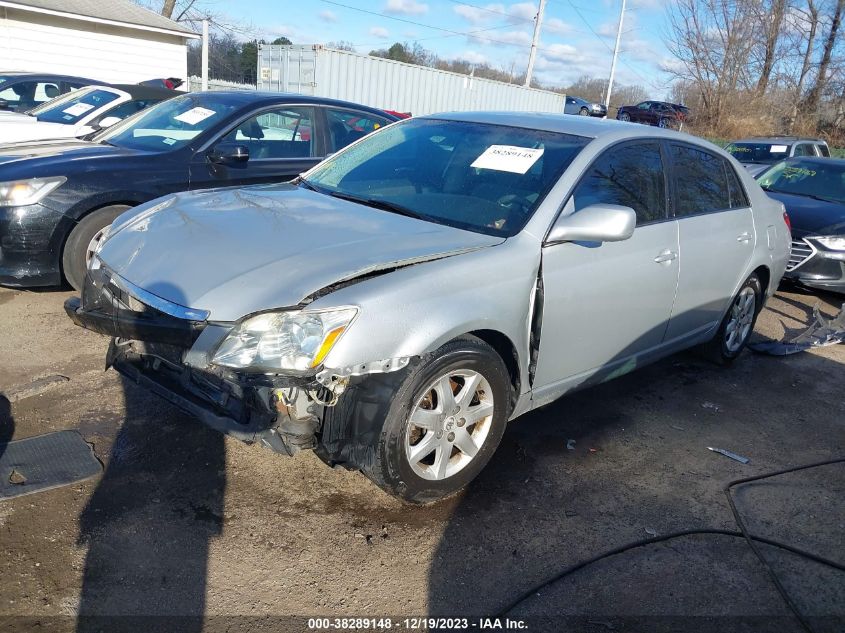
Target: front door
(282, 142)
(605, 304)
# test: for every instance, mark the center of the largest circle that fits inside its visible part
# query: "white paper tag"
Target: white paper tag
(78, 109)
(516, 160)
(169, 141)
(775, 149)
(195, 115)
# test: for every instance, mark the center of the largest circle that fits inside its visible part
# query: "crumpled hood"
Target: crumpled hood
(809, 216)
(31, 129)
(236, 251)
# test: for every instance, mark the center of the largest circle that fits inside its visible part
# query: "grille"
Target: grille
(800, 253)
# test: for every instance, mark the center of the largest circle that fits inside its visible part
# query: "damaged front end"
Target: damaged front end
(168, 349)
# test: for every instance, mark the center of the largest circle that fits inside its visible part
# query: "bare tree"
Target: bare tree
(811, 103)
(771, 18)
(807, 26)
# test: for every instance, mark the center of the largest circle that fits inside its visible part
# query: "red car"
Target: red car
(659, 113)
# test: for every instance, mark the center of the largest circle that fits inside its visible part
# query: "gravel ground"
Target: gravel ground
(185, 522)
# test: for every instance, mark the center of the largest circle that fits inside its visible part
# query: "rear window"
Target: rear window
(701, 181)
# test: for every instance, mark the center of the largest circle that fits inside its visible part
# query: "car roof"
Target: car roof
(568, 124)
(19, 74)
(779, 139)
(250, 97)
(144, 92)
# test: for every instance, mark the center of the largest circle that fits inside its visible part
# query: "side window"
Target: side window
(20, 95)
(280, 133)
(823, 150)
(737, 194)
(645, 105)
(347, 126)
(45, 92)
(701, 184)
(632, 176)
(804, 149)
(127, 108)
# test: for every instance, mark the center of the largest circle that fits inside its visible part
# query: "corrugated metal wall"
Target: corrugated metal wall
(383, 83)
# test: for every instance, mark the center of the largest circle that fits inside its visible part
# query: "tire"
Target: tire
(584, 112)
(662, 123)
(82, 239)
(625, 117)
(416, 480)
(737, 325)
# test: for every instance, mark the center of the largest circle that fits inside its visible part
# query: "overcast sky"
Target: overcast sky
(577, 36)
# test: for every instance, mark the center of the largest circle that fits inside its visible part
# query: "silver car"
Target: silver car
(396, 305)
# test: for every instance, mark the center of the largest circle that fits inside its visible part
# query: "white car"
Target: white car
(79, 112)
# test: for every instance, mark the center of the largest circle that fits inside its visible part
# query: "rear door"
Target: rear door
(282, 141)
(606, 303)
(716, 235)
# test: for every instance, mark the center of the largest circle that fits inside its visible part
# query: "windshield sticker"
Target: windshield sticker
(78, 109)
(516, 160)
(778, 148)
(795, 172)
(737, 150)
(169, 141)
(195, 115)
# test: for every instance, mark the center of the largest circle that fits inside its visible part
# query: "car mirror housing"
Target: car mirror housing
(595, 223)
(229, 153)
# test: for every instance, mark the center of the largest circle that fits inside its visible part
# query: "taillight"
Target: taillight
(787, 221)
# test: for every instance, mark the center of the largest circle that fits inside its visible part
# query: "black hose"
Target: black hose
(742, 533)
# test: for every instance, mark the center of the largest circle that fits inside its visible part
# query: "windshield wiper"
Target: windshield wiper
(299, 180)
(381, 204)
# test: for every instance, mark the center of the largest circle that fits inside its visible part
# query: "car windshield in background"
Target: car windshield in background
(767, 153)
(480, 177)
(168, 125)
(52, 103)
(69, 111)
(824, 181)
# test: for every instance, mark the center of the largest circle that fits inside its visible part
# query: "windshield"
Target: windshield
(69, 111)
(52, 103)
(168, 125)
(476, 176)
(816, 179)
(767, 153)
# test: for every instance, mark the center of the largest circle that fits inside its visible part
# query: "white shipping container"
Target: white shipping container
(390, 85)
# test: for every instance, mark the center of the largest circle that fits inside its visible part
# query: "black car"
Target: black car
(659, 113)
(22, 91)
(813, 192)
(57, 197)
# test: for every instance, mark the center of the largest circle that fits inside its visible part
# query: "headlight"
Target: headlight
(284, 341)
(833, 243)
(19, 193)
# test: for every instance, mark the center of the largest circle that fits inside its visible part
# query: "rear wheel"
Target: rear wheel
(443, 423)
(738, 323)
(83, 241)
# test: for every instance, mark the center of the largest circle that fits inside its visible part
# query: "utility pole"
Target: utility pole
(537, 22)
(615, 55)
(204, 55)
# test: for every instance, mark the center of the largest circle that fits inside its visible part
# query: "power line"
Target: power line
(489, 10)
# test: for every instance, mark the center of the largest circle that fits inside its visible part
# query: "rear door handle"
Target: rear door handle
(744, 237)
(665, 257)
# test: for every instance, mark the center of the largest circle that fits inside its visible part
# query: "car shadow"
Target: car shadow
(149, 524)
(7, 423)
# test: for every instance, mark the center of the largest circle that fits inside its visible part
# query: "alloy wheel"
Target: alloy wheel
(449, 424)
(91, 249)
(741, 319)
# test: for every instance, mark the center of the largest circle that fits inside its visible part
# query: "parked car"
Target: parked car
(577, 105)
(813, 191)
(171, 83)
(759, 153)
(397, 304)
(23, 91)
(56, 197)
(80, 113)
(657, 113)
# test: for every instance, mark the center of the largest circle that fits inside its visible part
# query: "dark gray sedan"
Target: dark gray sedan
(577, 105)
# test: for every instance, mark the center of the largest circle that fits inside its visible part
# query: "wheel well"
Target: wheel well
(764, 276)
(118, 203)
(507, 352)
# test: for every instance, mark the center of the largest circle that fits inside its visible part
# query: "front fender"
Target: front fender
(414, 310)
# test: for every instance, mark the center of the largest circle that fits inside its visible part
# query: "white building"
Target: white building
(114, 41)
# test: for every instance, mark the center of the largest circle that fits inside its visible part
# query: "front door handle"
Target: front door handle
(665, 257)
(744, 237)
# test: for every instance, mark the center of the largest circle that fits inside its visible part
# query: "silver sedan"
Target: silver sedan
(396, 305)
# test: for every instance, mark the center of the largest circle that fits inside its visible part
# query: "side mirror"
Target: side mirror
(4, 105)
(229, 153)
(595, 223)
(109, 121)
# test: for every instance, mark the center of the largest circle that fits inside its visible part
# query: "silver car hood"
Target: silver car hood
(240, 250)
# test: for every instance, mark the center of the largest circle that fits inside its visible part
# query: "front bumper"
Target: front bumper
(31, 240)
(815, 267)
(600, 112)
(156, 351)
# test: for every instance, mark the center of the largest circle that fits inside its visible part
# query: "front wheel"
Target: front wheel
(663, 123)
(443, 423)
(737, 325)
(83, 241)
(625, 117)
(584, 112)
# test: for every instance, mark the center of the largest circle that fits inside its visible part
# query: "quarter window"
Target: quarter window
(737, 193)
(632, 176)
(701, 182)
